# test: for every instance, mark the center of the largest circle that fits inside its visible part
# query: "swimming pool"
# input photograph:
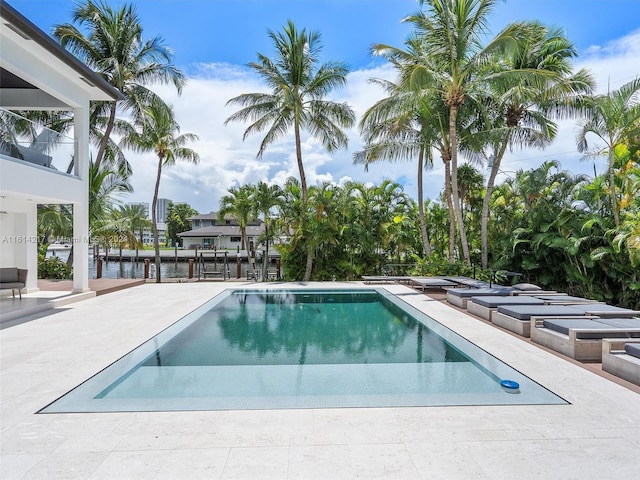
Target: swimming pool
(302, 348)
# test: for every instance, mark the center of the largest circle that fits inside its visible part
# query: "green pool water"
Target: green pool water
(256, 349)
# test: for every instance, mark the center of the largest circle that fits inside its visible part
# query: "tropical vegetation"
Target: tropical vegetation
(459, 94)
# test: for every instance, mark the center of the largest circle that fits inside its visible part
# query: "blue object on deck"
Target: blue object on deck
(510, 384)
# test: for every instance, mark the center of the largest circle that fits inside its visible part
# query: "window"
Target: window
(236, 239)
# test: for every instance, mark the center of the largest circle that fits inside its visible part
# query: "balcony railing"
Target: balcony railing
(27, 141)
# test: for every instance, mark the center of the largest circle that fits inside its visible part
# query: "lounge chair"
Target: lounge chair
(484, 306)
(517, 318)
(470, 282)
(431, 283)
(385, 279)
(581, 338)
(460, 296)
(604, 310)
(563, 299)
(622, 358)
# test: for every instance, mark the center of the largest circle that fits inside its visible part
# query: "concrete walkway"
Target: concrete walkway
(54, 294)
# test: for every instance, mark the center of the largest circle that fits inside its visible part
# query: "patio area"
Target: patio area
(596, 436)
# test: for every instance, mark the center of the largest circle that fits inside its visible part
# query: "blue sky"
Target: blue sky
(214, 39)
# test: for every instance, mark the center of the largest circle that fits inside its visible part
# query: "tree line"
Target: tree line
(459, 94)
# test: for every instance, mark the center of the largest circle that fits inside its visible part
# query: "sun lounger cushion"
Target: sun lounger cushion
(621, 322)
(632, 349)
(595, 308)
(469, 282)
(495, 301)
(587, 329)
(527, 287)
(473, 292)
(433, 282)
(564, 299)
(525, 312)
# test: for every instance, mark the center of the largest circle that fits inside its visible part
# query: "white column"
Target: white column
(31, 226)
(81, 209)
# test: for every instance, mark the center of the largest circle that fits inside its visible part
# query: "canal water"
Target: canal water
(169, 268)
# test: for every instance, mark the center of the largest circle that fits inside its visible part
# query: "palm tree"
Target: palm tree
(534, 84)
(239, 204)
(453, 66)
(400, 127)
(264, 199)
(114, 48)
(297, 99)
(160, 133)
(134, 218)
(614, 119)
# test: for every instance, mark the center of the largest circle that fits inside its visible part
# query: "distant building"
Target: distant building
(162, 208)
(144, 205)
(209, 232)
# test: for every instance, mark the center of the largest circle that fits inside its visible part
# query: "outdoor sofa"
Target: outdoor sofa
(621, 357)
(13, 278)
(581, 338)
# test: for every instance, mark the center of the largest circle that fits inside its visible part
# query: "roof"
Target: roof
(18, 23)
(222, 230)
(214, 216)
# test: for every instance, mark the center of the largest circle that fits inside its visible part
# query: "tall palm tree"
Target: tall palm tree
(298, 87)
(534, 84)
(614, 119)
(297, 98)
(160, 133)
(452, 66)
(114, 48)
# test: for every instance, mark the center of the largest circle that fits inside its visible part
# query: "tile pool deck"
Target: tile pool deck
(597, 436)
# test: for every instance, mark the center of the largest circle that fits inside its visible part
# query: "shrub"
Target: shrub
(53, 267)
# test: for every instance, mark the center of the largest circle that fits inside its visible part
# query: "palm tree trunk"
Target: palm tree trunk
(265, 258)
(156, 243)
(452, 218)
(454, 185)
(309, 265)
(612, 186)
(303, 186)
(484, 220)
(105, 137)
(303, 178)
(423, 227)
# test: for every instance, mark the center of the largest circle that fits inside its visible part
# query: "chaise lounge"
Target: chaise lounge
(13, 278)
(518, 318)
(484, 306)
(581, 338)
(621, 357)
(604, 310)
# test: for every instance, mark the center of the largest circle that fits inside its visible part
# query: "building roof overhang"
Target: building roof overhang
(23, 89)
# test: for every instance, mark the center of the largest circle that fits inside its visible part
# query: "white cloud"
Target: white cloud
(226, 160)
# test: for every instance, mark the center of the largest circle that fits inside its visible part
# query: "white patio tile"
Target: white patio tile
(250, 463)
(597, 436)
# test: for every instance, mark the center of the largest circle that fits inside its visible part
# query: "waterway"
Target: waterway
(169, 268)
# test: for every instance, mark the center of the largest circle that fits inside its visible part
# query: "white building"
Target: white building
(209, 232)
(162, 208)
(36, 73)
